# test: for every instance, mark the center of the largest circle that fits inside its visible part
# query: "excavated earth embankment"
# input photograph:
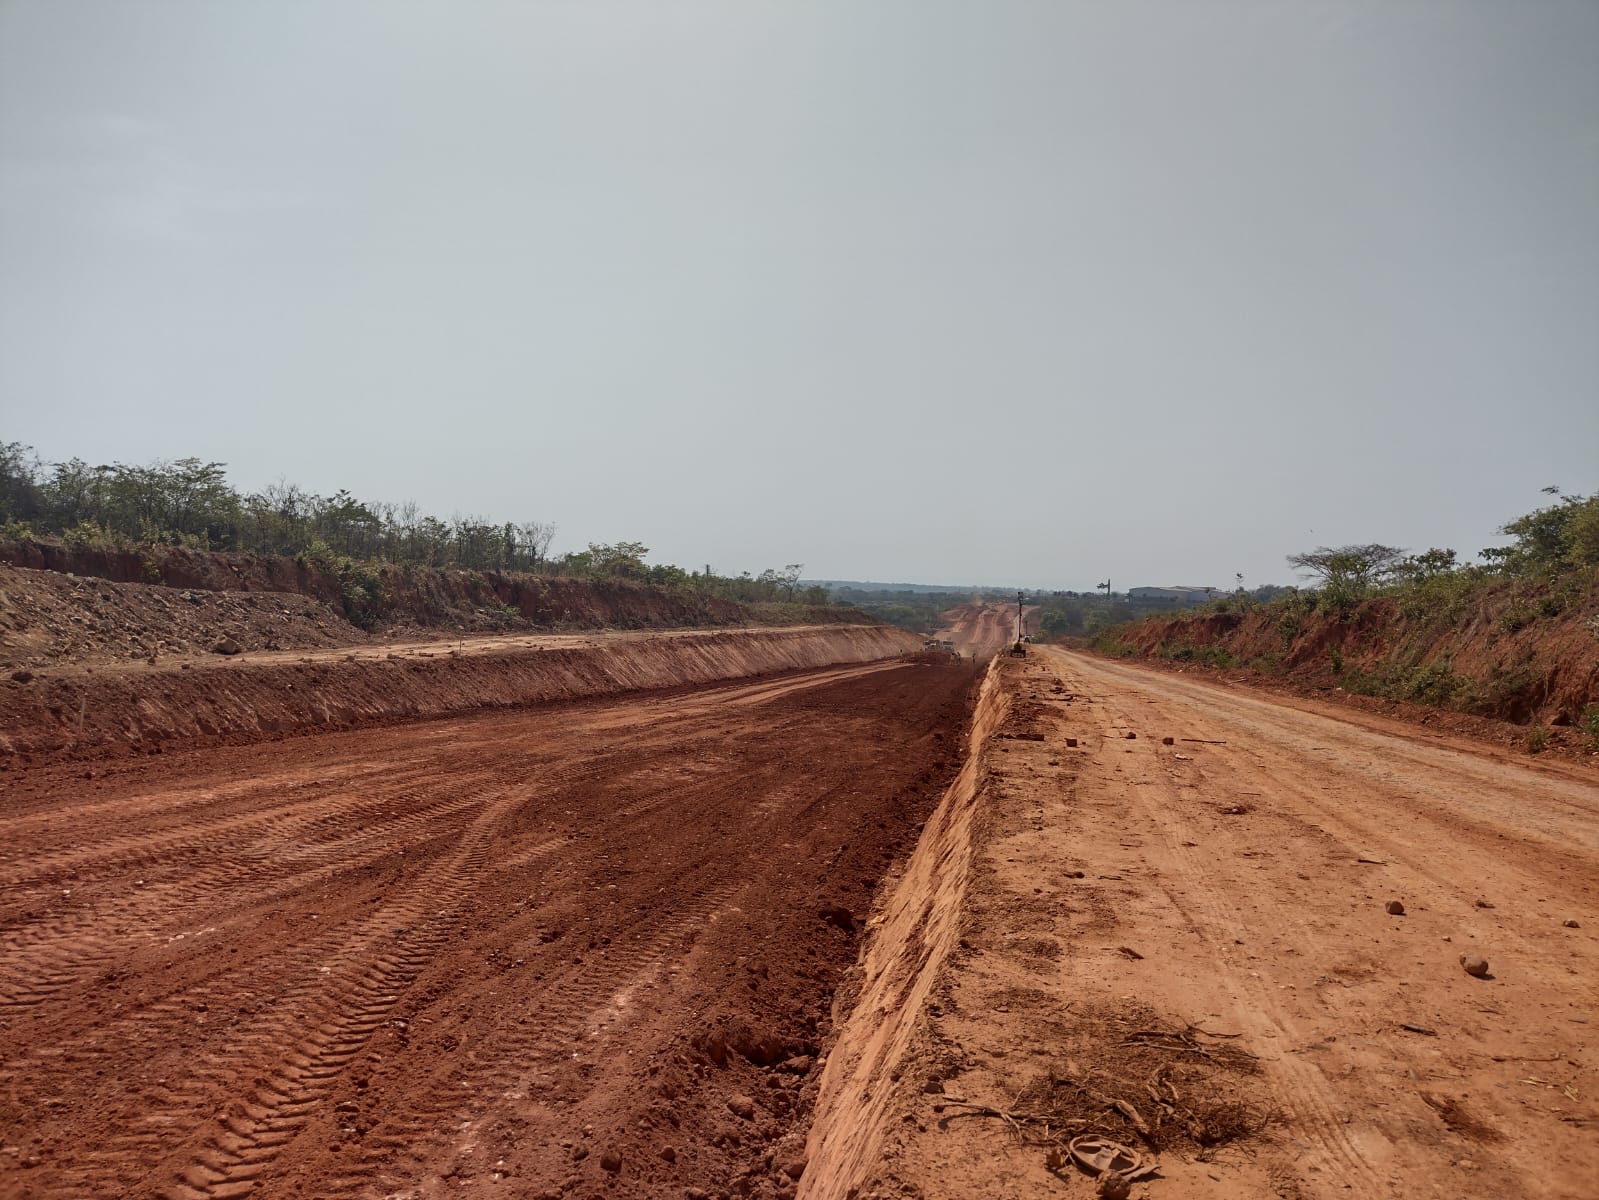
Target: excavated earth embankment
(140, 706)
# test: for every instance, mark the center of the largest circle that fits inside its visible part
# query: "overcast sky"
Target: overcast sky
(947, 292)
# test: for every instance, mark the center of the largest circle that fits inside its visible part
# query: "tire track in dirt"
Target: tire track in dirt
(1283, 810)
(397, 1152)
(220, 1063)
(1201, 892)
(42, 958)
(314, 1031)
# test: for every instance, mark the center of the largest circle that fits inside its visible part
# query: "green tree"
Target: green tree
(1348, 573)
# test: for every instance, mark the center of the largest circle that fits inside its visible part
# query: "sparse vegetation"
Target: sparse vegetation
(188, 502)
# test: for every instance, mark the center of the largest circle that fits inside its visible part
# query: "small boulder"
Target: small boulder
(1571, 923)
(741, 1105)
(1395, 908)
(1474, 965)
(22, 676)
(793, 1165)
(227, 646)
(611, 1161)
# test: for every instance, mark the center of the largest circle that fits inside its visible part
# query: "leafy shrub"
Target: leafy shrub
(89, 533)
(1288, 627)
(1589, 724)
(1436, 684)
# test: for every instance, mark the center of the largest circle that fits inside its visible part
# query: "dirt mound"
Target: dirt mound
(399, 599)
(139, 706)
(48, 619)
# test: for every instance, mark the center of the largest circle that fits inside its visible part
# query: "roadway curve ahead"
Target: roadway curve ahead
(457, 953)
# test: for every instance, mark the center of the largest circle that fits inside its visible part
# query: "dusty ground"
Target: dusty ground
(534, 953)
(1186, 948)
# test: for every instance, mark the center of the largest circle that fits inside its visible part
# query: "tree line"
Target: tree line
(190, 502)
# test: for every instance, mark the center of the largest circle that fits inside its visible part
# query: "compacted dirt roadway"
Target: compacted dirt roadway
(985, 629)
(1188, 948)
(579, 949)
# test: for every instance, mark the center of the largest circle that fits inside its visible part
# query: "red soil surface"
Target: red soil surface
(584, 949)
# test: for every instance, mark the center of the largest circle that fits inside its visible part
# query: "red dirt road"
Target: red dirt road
(493, 955)
(1200, 933)
(985, 629)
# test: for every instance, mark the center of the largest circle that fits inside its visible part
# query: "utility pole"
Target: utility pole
(1018, 616)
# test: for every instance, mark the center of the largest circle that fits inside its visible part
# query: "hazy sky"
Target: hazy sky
(952, 292)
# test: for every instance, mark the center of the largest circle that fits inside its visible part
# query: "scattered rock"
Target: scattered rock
(611, 1161)
(697, 1193)
(1483, 904)
(22, 676)
(741, 1106)
(1395, 908)
(1168, 741)
(669, 1153)
(1114, 1187)
(227, 646)
(1130, 735)
(1570, 923)
(793, 1165)
(1474, 965)
(1071, 742)
(800, 1064)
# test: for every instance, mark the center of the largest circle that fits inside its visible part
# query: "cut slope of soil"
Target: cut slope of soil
(1499, 655)
(142, 706)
